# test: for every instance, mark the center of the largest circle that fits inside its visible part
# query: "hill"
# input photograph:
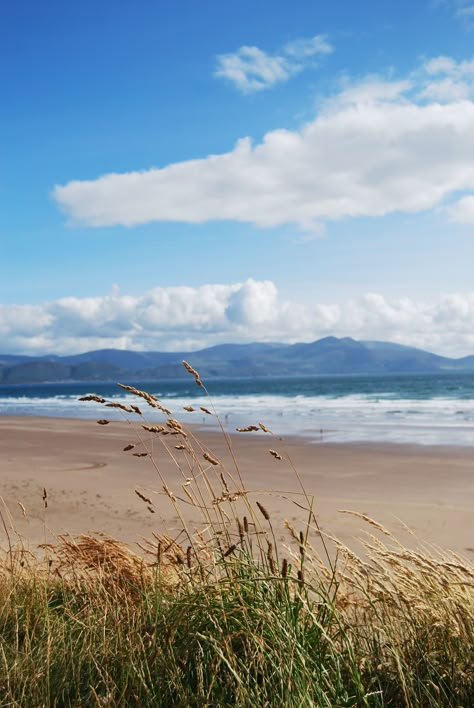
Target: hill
(329, 355)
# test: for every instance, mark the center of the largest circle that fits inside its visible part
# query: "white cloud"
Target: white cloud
(439, 65)
(446, 79)
(251, 69)
(462, 211)
(447, 65)
(372, 90)
(254, 304)
(462, 9)
(446, 89)
(185, 318)
(373, 149)
(302, 48)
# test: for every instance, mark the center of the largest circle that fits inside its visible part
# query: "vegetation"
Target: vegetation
(226, 615)
(327, 356)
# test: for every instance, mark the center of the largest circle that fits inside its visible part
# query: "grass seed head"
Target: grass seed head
(174, 424)
(270, 557)
(275, 454)
(153, 428)
(121, 406)
(368, 519)
(92, 397)
(148, 397)
(143, 497)
(265, 513)
(192, 371)
(241, 530)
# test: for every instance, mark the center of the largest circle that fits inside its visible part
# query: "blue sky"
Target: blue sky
(175, 175)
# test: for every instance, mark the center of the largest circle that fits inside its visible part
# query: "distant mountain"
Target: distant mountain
(124, 359)
(467, 362)
(11, 359)
(329, 355)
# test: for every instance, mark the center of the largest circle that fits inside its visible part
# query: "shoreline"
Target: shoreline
(307, 436)
(91, 482)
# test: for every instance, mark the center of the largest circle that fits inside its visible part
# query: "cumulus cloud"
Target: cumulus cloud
(185, 318)
(462, 211)
(251, 69)
(447, 80)
(375, 148)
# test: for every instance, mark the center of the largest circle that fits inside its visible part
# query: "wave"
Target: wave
(324, 418)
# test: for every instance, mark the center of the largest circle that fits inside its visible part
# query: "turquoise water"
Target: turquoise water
(425, 409)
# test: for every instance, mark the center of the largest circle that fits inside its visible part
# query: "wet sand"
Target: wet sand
(422, 494)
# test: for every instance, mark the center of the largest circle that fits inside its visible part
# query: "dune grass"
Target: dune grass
(225, 614)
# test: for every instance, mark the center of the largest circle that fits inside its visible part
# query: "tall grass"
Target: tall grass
(227, 613)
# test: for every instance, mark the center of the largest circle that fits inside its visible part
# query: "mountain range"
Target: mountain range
(329, 355)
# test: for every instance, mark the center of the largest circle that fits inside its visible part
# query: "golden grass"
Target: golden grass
(225, 614)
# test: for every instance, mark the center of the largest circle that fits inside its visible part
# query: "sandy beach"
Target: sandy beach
(422, 494)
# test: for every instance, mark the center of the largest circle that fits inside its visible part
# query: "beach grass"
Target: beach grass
(228, 613)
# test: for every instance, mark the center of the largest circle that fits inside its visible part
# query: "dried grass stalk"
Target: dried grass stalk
(143, 497)
(265, 513)
(192, 371)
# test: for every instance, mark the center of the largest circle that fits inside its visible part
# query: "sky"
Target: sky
(175, 175)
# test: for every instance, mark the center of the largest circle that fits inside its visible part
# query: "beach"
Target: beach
(421, 494)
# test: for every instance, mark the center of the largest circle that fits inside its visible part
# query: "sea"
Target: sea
(424, 409)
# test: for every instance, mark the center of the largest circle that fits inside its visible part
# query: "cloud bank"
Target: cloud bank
(375, 148)
(185, 318)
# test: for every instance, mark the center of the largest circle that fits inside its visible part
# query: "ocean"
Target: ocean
(428, 409)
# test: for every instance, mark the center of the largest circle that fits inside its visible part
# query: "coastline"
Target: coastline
(422, 494)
